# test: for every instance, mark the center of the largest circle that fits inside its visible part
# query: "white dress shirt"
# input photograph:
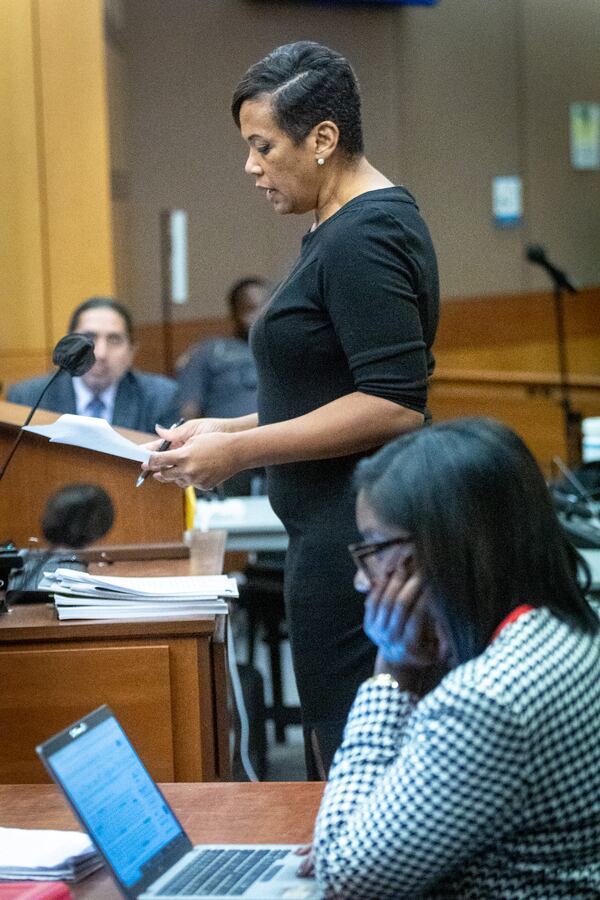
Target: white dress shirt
(84, 396)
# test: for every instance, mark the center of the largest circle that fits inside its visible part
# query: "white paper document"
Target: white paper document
(85, 597)
(91, 434)
(146, 612)
(179, 586)
(39, 854)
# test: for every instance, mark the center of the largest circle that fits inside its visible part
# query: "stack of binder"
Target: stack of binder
(79, 595)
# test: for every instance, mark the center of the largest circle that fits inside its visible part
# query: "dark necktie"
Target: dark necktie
(96, 407)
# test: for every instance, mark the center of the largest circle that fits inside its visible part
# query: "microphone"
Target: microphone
(73, 354)
(536, 254)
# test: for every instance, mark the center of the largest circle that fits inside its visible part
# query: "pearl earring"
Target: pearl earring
(320, 161)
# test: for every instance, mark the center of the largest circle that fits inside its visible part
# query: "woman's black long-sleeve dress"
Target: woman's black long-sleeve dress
(358, 312)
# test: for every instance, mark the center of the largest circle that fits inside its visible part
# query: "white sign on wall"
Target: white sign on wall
(585, 135)
(507, 201)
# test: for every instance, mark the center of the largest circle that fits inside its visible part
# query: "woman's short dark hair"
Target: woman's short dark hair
(77, 515)
(237, 291)
(102, 303)
(308, 83)
(485, 531)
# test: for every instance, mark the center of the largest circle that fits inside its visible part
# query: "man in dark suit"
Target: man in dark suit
(111, 390)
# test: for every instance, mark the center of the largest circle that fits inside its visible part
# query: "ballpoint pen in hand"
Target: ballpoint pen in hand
(164, 446)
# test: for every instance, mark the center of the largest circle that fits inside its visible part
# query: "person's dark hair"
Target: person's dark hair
(308, 83)
(102, 303)
(237, 290)
(77, 515)
(485, 531)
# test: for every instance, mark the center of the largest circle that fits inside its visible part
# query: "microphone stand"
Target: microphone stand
(571, 417)
(26, 422)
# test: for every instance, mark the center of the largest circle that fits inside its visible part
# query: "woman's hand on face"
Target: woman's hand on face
(201, 459)
(398, 621)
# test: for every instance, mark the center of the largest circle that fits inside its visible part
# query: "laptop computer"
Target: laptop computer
(139, 836)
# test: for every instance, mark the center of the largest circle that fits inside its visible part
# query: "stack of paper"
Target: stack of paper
(78, 595)
(36, 855)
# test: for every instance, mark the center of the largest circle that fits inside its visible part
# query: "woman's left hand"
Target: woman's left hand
(204, 461)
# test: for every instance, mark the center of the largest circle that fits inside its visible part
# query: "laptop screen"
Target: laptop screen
(121, 807)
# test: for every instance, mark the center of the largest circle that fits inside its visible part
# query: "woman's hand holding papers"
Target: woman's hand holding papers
(203, 452)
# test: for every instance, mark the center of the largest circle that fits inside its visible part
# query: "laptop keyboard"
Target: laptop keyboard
(226, 873)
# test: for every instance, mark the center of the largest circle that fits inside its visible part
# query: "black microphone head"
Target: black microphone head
(75, 354)
(535, 253)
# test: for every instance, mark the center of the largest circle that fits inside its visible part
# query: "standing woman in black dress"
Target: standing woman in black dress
(343, 356)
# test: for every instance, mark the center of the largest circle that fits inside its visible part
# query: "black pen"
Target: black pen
(164, 446)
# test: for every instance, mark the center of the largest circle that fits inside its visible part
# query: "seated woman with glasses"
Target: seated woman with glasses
(470, 765)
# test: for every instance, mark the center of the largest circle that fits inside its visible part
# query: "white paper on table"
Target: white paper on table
(34, 848)
(160, 585)
(165, 603)
(91, 434)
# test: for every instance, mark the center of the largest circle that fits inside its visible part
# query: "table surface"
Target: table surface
(269, 812)
(38, 622)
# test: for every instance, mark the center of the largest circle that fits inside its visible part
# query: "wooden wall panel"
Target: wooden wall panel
(537, 419)
(150, 339)
(513, 332)
(21, 250)
(496, 356)
(516, 332)
(55, 224)
(76, 154)
(18, 364)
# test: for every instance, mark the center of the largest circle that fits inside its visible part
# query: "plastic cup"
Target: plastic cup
(207, 549)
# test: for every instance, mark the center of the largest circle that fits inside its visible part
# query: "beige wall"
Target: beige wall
(453, 95)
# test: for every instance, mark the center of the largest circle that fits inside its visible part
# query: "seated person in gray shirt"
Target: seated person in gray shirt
(112, 389)
(217, 377)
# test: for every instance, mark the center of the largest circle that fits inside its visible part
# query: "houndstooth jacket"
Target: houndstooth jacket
(489, 787)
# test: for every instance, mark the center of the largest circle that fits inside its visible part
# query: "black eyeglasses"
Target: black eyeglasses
(361, 553)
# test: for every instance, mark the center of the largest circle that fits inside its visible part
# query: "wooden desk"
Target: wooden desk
(165, 680)
(220, 813)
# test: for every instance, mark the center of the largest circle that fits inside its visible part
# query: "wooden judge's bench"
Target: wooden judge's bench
(165, 679)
